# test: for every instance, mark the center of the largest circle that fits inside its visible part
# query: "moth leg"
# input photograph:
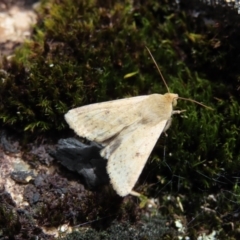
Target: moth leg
(168, 124)
(178, 111)
(136, 194)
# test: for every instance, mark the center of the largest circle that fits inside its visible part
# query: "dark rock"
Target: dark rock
(83, 159)
(7, 145)
(22, 176)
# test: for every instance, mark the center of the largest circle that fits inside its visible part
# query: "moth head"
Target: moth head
(172, 97)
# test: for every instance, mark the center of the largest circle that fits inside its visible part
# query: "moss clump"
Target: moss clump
(82, 55)
(9, 221)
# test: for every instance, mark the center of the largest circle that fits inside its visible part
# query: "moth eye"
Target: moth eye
(174, 103)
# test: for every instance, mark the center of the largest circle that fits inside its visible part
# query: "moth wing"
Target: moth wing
(101, 121)
(128, 152)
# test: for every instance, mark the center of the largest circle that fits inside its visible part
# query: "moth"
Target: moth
(128, 130)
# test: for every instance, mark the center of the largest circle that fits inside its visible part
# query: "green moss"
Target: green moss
(9, 221)
(81, 57)
(151, 228)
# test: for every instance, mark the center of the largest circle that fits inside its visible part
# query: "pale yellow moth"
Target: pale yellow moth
(128, 129)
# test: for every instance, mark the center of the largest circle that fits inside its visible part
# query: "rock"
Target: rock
(83, 159)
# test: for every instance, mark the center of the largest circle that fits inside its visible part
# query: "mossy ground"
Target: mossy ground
(80, 53)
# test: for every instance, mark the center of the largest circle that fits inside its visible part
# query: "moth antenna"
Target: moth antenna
(191, 100)
(158, 69)
(187, 99)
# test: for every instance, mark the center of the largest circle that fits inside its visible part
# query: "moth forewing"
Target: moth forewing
(100, 121)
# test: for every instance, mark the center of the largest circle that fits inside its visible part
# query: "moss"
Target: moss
(153, 228)
(9, 221)
(81, 57)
